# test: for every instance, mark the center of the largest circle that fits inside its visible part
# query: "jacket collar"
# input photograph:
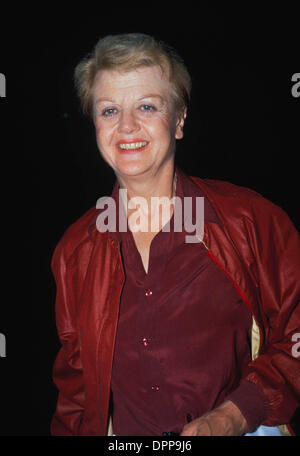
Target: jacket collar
(186, 187)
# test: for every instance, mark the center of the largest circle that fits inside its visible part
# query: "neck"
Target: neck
(160, 184)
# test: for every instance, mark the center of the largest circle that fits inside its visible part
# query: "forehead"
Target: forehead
(139, 81)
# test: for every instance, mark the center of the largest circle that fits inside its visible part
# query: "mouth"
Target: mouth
(132, 147)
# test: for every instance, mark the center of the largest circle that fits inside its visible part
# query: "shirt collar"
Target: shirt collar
(186, 187)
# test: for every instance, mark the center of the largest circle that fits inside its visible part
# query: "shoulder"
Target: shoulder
(224, 189)
(233, 200)
(78, 234)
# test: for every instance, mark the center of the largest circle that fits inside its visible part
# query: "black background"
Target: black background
(242, 127)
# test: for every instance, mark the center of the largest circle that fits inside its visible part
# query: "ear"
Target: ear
(180, 125)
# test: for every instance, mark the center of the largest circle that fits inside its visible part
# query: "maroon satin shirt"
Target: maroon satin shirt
(183, 335)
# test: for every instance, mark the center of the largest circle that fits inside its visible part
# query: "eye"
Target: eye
(109, 112)
(148, 108)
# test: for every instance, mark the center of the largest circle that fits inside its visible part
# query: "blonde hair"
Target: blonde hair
(126, 52)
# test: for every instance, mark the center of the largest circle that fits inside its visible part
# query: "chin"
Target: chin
(131, 169)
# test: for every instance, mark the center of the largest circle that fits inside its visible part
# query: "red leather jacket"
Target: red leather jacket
(257, 247)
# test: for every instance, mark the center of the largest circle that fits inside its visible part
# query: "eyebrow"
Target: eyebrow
(100, 100)
(149, 95)
(152, 95)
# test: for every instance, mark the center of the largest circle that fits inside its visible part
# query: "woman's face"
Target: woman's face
(136, 124)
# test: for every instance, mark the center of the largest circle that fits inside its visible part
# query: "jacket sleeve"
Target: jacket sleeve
(276, 371)
(67, 370)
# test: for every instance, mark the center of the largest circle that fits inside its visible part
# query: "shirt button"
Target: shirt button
(148, 292)
(189, 418)
(145, 341)
(155, 388)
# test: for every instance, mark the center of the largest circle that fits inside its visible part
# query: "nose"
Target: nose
(127, 123)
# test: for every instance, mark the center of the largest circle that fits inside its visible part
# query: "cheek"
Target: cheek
(162, 128)
(103, 133)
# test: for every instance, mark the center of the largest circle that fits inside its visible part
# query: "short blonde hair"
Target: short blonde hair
(126, 52)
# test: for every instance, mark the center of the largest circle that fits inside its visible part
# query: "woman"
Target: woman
(180, 338)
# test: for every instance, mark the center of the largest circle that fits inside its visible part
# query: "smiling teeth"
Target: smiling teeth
(133, 145)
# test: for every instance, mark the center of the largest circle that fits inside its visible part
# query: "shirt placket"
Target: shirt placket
(147, 330)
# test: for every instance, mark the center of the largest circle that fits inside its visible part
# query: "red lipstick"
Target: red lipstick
(131, 141)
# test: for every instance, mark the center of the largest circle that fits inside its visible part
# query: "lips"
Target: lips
(133, 145)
